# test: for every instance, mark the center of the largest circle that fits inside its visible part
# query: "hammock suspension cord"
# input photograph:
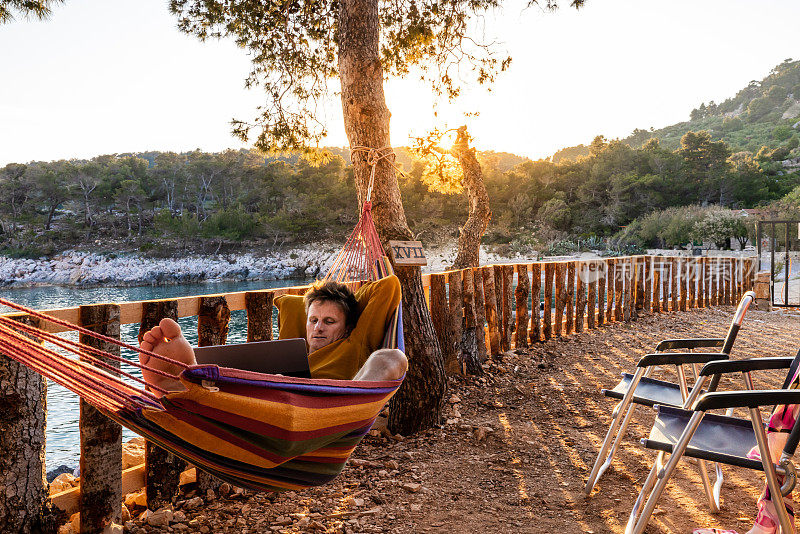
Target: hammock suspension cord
(90, 376)
(362, 257)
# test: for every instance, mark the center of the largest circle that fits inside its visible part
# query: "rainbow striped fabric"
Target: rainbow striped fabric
(265, 432)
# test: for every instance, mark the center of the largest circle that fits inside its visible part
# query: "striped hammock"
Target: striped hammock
(254, 430)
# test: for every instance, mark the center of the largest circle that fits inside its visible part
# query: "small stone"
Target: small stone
(416, 507)
(193, 503)
(454, 399)
(358, 502)
(210, 495)
(407, 455)
(283, 520)
(178, 517)
(411, 487)
(125, 514)
(225, 489)
(479, 434)
(204, 530)
(383, 473)
(392, 464)
(356, 462)
(160, 518)
(316, 525)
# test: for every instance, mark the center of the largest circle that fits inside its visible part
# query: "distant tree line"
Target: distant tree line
(156, 201)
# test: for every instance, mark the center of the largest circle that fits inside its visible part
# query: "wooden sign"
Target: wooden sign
(408, 253)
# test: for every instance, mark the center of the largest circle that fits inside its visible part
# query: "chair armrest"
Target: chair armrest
(743, 366)
(679, 358)
(694, 343)
(746, 399)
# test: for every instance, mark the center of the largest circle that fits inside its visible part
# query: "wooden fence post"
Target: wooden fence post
(580, 296)
(611, 288)
(259, 315)
(440, 317)
(648, 283)
(480, 315)
(100, 498)
(714, 276)
(666, 265)
(674, 276)
(490, 298)
(536, 291)
(629, 297)
(162, 469)
(701, 278)
(726, 277)
(619, 289)
(569, 301)
(640, 273)
(213, 319)
(547, 316)
(561, 299)
(507, 275)
(593, 274)
(498, 292)
(602, 280)
(469, 339)
(656, 274)
(456, 304)
(521, 298)
(682, 280)
(691, 274)
(23, 419)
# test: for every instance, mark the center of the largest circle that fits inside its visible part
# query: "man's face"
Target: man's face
(324, 325)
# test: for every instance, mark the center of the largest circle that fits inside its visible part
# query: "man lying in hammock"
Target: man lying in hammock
(343, 331)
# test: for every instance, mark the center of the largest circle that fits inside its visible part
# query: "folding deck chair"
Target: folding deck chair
(639, 388)
(722, 439)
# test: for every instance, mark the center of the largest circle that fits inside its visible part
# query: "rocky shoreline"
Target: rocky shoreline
(88, 269)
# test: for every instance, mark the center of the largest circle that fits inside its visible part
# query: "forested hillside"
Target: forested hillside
(741, 153)
(763, 114)
(163, 203)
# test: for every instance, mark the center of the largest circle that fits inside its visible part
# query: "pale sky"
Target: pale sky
(111, 76)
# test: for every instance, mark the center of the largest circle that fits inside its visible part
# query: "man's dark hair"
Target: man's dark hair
(337, 293)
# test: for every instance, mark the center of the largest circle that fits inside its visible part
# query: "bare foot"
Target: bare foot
(167, 340)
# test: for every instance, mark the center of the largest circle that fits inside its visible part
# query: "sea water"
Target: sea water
(63, 435)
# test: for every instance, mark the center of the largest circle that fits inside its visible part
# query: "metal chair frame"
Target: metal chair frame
(645, 368)
(659, 474)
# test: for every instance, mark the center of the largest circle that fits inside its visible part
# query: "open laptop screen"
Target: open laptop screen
(283, 356)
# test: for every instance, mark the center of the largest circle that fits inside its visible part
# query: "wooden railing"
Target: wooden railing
(476, 312)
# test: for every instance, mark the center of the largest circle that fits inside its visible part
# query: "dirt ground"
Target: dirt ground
(515, 450)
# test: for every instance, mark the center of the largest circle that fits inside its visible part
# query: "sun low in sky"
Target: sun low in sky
(112, 76)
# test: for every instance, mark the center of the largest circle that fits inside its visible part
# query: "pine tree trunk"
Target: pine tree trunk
(418, 403)
(469, 239)
(22, 437)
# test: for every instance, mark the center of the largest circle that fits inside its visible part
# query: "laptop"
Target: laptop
(283, 356)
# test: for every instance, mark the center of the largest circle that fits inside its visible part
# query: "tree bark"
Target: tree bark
(479, 214)
(162, 469)
(213, 320)
(101, 438)
(23, 396)
(418, 403)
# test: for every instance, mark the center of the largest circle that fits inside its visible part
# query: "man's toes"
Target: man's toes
(169, 328)
(146, 345)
